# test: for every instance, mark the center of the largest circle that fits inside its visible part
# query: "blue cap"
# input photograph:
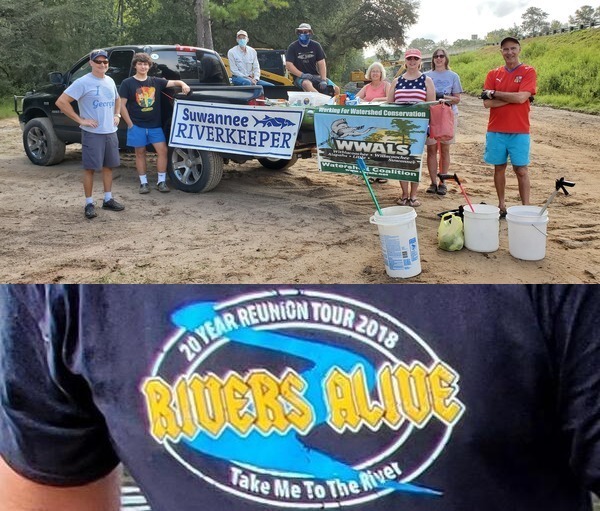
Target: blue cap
(98, 53)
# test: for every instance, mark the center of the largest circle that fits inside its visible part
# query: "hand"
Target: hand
(307, 76)
(323, 85)
(185, 88)
(487, 94)
(90, 123)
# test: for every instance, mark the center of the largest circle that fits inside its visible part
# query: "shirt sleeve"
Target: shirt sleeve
(456, 85)
(490, 82)
(235, 70)
(320, 53)
(124, 89)
(50, 430)
(75, 90)
(572, 322)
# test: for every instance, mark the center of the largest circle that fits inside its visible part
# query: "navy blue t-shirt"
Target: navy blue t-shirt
(305, 58)
(143, 100)
(372, 398)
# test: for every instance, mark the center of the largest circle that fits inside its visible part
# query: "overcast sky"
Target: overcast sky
(462, 18)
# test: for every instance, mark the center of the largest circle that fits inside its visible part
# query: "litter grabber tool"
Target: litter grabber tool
(363, 170)
(558, 185)
(443, 177)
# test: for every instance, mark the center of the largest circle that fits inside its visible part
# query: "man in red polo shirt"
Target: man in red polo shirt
(508, 92)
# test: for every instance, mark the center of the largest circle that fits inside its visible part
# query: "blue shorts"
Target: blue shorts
(141, 137)
(499, 146)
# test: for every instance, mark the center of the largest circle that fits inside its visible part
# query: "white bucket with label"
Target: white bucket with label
(482, 228)
(399, 244)
(527, 232)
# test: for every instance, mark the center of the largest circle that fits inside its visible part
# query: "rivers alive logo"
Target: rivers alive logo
(301, 399)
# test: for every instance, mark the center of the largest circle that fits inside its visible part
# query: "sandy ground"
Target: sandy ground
(294, 226)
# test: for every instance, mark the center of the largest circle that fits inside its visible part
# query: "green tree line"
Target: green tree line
(39, 36)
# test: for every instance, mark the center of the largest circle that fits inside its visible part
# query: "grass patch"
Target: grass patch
(567, 66)
(7, 108)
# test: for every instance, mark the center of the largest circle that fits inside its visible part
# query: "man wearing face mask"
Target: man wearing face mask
(243, 62)
(305, 59)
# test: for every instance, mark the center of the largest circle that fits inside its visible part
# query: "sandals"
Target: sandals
(442, 189)
(406, 201)
(381, 180)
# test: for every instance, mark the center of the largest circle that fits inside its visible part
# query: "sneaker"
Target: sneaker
(432, 189)
(162, 187)
(442, 189)
(113, 205)
(144, 188)
(90, 211)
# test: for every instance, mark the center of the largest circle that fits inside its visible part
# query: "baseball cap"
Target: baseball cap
(304, 26)
(412, 52)
(98, 53)
(241, 32)
(509, 38)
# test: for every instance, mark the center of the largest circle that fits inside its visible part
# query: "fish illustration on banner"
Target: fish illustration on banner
(267, 132)
(389, 138)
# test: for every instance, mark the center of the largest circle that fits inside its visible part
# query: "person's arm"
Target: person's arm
(508, 97)
(494, 103)
(125, 113)
(117, 116)
(293, 69)
(255, 67)
(322, 68)
(185, 88)
(456, 91)
(390, 94)
(235, 70)
(362, 92)
(430, 88)
(64, 105)
(21, 494)
(386, 90)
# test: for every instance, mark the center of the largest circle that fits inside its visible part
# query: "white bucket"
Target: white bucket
(399, 243)
(527, 232)
(482, 228)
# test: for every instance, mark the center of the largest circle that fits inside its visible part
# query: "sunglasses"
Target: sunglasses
(413, 58)
(100, 62)
(440, 56)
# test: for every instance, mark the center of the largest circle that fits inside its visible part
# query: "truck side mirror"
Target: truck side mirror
(55, 77)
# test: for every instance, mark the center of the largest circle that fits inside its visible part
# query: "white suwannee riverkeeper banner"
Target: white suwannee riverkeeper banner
(239, 129)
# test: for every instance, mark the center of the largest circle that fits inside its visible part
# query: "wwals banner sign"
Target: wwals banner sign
(390, 138)
(239, 129)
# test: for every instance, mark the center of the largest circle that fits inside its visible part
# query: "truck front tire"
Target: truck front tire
(277, 163)
(41, 143)
(194, 171)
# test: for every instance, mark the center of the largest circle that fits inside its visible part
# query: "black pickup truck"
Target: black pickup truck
(46, 130)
